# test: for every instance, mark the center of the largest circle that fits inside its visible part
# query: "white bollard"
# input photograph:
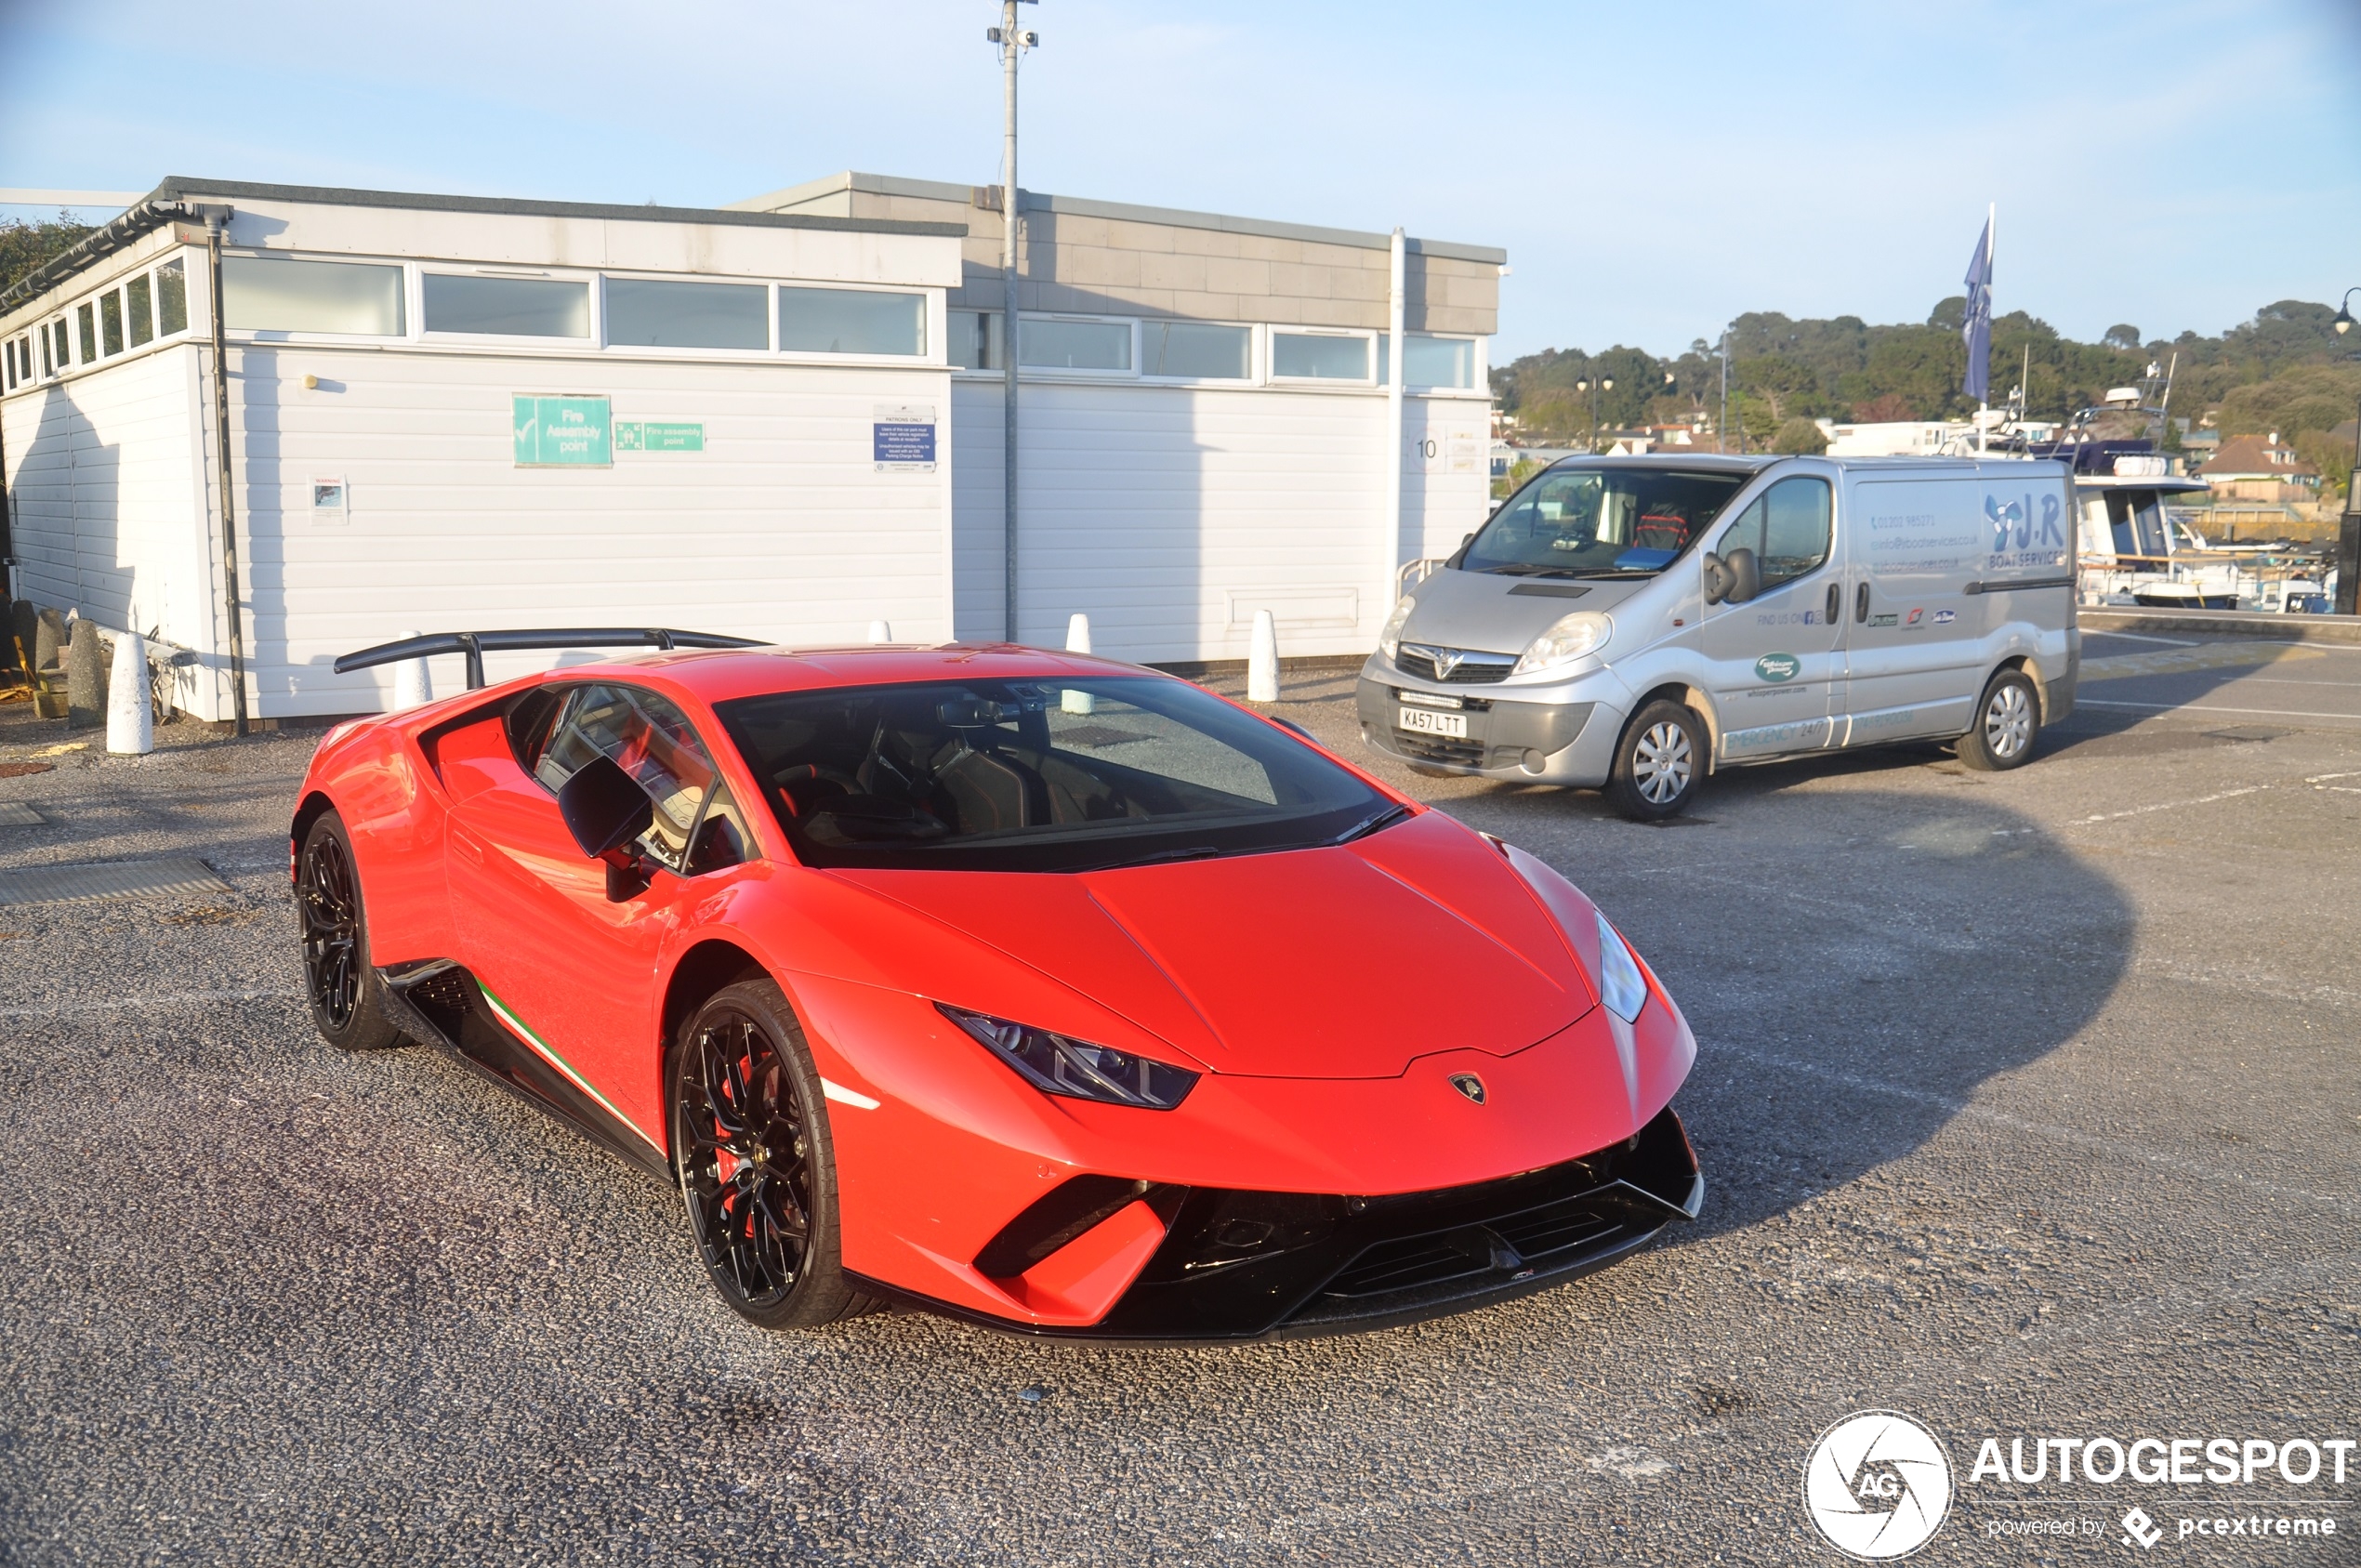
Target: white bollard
(412, 686)
(1262, 660)
(879, 631)
(130, 700)
(1077, 642)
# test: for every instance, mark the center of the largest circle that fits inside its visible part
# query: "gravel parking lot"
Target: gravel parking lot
(2027, 1102)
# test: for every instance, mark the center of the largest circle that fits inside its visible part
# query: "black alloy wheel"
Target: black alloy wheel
(346, 996)
(756, 1165)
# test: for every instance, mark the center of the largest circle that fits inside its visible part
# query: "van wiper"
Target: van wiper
(1368, 825)
(1522, 569)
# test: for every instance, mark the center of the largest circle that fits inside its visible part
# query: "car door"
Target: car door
(1913, 635)
(573, 972)
(1772, 662)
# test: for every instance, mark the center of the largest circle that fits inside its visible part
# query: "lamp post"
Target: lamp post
(1584, 384)
(2348, 598)
(1012, 42)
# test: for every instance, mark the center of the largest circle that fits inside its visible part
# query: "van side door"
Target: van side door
(1913, 635)
(1772, 662)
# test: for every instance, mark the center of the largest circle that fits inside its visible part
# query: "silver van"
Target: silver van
(1632, 623)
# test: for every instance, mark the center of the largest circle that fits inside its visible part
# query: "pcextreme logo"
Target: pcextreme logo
(1876, 1486)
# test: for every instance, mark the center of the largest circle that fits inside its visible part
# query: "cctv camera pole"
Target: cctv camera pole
(1013, 42)
(212, 228)
(2348, 599)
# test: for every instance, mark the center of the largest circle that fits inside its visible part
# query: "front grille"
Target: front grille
(1439, 748)
(1518, 1241)
(1471, 669)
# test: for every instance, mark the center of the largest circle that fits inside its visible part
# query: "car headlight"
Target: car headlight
(1621, 986)
(1389, 639)
(1060, 1065)
(1585, 631)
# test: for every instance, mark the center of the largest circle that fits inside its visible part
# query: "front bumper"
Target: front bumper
(1246, 1265)
(1509, 736)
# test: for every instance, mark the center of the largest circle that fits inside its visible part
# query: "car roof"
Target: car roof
(723, 675)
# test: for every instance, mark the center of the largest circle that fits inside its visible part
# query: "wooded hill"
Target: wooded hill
(2285, 370)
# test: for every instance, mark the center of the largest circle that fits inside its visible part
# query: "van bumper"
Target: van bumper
(1511, 738)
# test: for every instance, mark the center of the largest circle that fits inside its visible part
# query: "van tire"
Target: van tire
(2008, 723)
(1658, 762)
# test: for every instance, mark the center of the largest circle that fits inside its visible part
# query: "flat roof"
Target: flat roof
(1178, 217)
(182, 188)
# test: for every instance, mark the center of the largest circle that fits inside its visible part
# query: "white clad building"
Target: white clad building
(780, 421)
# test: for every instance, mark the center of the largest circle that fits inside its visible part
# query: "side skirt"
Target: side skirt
(441, 1004)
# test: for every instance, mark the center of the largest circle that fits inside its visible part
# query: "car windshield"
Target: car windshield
(1600, 522)
(1038, 775)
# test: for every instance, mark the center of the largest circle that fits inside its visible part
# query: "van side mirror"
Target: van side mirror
(1718, 580)
(1746, 575)
(605, 810)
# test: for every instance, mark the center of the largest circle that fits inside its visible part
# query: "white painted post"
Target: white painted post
(412, 686)
(1262, 660)
(130, 700)
(1077, 642)
(880, 631)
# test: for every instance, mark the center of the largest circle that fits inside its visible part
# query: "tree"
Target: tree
(2121, 335)
(1796, 436)
(1886, 408)
(2308, 397)
(24, 247)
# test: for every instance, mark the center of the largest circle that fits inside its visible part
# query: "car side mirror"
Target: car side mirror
(1718, 580)
(605, 810)
(1746, 575)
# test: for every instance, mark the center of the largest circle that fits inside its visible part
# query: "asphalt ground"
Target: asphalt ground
(2027, 1102)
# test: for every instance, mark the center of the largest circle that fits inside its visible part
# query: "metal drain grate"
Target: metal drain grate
(110, 879)
(16, 814)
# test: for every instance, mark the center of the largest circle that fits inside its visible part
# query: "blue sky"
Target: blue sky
(1651, 170)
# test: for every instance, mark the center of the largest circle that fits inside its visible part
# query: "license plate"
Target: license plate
(1422, 721)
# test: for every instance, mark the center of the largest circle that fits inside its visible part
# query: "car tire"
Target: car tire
(2008, 722)
(1658, 762)
(348, 998)
(755, 1161)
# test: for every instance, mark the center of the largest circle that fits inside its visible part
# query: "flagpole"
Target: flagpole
(1991, 243)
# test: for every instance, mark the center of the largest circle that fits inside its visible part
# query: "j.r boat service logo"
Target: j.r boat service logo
(1876, 1486)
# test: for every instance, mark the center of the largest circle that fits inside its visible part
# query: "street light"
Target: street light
(1011, 41)
(2344, 322)
(1583, 384)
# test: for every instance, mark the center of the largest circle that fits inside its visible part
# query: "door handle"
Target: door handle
(1836, 602)
(1861, 604)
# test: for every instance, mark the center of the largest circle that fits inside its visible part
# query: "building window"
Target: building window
(266, 294)
(643, 312)
(507, 307)
(111, 322)
(1055, 343)
(85, 319)
(978, 339)
(1431, 362)
(844, 321)
(12, 365)
(138, 299)
(54, 356)
(1196, 348)
(172, 299)
(1320, 357)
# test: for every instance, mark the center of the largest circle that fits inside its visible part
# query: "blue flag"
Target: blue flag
(1977, 329)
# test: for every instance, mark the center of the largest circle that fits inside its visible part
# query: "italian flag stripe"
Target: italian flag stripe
(525, 1032)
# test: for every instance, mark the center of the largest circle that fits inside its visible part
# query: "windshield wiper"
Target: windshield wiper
(1368, 825)
(1188, 852)
(1524, 569)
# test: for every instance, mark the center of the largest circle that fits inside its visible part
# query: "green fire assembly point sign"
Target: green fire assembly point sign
(652, 435)
(563, 432)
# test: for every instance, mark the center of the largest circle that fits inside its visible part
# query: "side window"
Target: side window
(697, 828)
(1789, 528)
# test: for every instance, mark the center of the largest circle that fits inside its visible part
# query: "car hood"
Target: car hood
(1329, 963)
(1498, 614)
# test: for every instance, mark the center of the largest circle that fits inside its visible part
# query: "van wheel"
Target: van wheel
(2008, 721)
(1657, 762)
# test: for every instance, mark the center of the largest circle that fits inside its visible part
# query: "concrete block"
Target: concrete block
(1270, 247)
(85, 677)
(49, 639)
(1249, 278)
(130, 700)
(1173, 272)
(1124, 234)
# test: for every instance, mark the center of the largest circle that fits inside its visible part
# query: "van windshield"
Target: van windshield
(1600, 522)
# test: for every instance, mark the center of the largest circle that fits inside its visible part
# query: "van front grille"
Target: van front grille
(1453, 667)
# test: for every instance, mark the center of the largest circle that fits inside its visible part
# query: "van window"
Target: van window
(1600, 522)
(1788, 528)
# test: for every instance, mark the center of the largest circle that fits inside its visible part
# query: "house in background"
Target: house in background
(2258, 468)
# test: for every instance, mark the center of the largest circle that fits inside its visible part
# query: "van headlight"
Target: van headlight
(1585, 631)
(1390, 639)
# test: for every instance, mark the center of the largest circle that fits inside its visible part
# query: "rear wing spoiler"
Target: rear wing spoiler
(476, 644)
